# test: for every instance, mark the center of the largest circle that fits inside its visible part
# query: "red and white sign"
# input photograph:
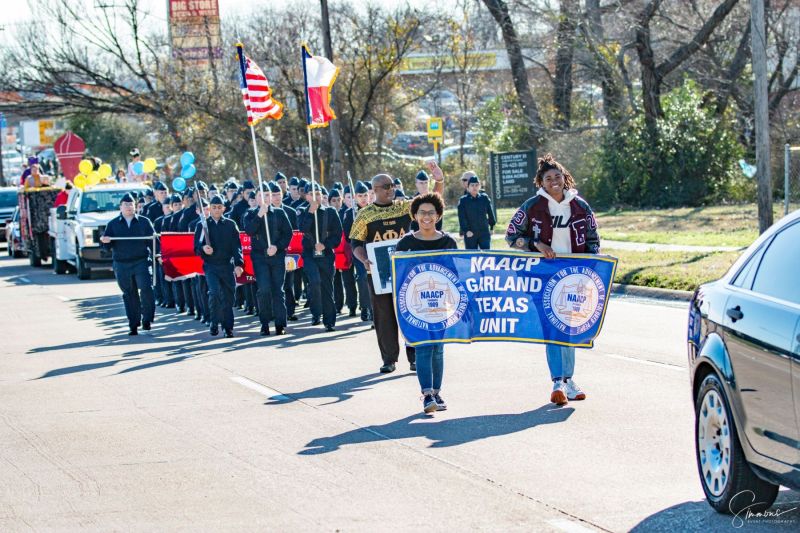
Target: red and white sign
(69, 150)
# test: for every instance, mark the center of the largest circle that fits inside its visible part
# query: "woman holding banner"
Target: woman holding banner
(556, 221)
(426, 211)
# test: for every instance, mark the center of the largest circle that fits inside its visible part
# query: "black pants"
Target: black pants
(201, 296)
(482, 242)
(364, 284)
(298, 283)
(344, 289)
(319, 271)
(188, 294)
(177, 293)
(249, 296)
(270, 277)
(137, 291)
(288, 290)
(167, 296)
(221, 285)
(386, 328)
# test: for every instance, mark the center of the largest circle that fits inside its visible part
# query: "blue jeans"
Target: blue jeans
(561, 360)
(430, 367)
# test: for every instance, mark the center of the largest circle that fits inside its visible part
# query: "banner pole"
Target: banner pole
(313, 188)
(352, 196)
(260, 184)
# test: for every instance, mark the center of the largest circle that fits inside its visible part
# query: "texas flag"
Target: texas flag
(319, 75)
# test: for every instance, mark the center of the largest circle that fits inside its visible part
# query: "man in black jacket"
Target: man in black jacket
(475, 217)
(153, 210)
(131, 262)
(188, 214)
(278, 202)
(170, 224)
(268, 253)
(164, 295)
(322, 232)
(222, 258)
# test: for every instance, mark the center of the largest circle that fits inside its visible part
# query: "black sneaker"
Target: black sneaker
(429, 404)
(330, 328)
(189, 312)
(214, 330)
(198, 316)
(265, 331)
(292, 318)
(279, 330)
(228, 333)
(440, 405)
(133, 331)
(146, 325)
(412, 367)
(387, 369)
(180, 310)
(352, 313)
(315, 321)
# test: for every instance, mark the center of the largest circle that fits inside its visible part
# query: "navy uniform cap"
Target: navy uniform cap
(248, 184)
(213, 187)
(265, 186)
(397, 181)
(188, 192)
(149, 192)
(158, 186)
(473, 179)
(334, 194)
(273, 187)
(231, 185)
(203, 202)
(294, 181)
(201, 185)
(175, 199)
(251, 195)
(337, 185)
(369, 185)
(216, 200)
(280, 176)
(309, 185)
(127, 197)
(399, 194)
(361, 188)
(422, 176)
(302, 183)
(346, 189)
(167, 200)
(324, 190)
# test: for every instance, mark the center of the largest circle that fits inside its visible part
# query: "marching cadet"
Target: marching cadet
(154, 209)
(398, 187)
(188, 214)
(141, 201)
(164, 297)
(301, 195)
(131, 263)
(230, 192)
(199, 285)
(237, 211)
(344, 283)
(361, 201)
(318, 256)
(294, 193)
(170, 224)
(475, 217)
(221, 251)
(268, 258)
(422, 184)
(288, 283)
(280, 180)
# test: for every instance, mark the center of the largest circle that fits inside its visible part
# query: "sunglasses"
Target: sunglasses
(387, 187)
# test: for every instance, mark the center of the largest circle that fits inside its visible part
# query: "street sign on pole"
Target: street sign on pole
(436, 136)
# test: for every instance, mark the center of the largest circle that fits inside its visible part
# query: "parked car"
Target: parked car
(744, 354)
(411, 143)
(13, 237)
(12, 163)
(8, 203)
(471, 156)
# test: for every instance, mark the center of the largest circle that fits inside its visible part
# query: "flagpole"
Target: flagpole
(352, 196)
(313, 188)
(261, 185)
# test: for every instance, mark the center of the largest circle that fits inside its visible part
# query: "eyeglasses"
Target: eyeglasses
(387, 187)
(431, 214)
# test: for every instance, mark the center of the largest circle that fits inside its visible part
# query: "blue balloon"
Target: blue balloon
(138, 168)
(179, 184)
(188, 171)
(187, 158)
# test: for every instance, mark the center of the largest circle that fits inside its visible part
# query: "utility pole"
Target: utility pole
(760, 101)
(333, 129)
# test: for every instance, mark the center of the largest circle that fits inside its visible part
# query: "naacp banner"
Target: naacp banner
(466, 296)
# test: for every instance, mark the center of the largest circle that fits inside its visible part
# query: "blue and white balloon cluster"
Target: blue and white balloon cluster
(188, 171)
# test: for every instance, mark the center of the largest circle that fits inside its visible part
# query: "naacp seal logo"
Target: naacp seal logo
(431, 298)
(573, 299)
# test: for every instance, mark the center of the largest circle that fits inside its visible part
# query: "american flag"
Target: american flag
(256, 93)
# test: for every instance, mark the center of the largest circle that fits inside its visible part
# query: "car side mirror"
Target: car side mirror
(61, 212)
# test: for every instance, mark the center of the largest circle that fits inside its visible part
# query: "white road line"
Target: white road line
(24, 279)
(62, 298)
(568, 525)
(258, 387)
(668, 366)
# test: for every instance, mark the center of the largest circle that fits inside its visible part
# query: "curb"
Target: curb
(651, 292)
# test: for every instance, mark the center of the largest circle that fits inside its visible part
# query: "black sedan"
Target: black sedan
(744, 361)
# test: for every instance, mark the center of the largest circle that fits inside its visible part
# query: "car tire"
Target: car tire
(723, 468)
(81, 269)
(59, 266)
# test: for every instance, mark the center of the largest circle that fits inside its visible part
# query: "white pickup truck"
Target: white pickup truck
(76, 228)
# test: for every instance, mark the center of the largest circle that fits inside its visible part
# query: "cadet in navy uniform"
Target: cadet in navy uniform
(154, 210)
(164, 295)
(359, 201)
(269, 263)
(319, 268)
(199, 285)
(222, 262)
(188, 214)
(344, 281)
(423, 185)
(278, 202)
(475, 217)
(131, 263)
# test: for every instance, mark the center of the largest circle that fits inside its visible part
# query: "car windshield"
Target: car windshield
(100, 201)
(8, 199)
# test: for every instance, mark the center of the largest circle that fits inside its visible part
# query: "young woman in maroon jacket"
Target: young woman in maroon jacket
(556, 221)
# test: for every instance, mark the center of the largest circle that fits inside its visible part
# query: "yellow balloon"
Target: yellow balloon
(94, 177)
(150, 164)
(80, 181)
(105, 170)
(85, 166)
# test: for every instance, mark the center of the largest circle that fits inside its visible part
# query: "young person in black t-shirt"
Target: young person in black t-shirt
(427, 210)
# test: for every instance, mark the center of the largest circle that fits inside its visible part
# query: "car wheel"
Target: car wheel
(81, 269)
(59, 266)
(724, 470)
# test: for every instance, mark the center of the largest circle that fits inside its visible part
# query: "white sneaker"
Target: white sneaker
(559, 394)
(573, 391)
